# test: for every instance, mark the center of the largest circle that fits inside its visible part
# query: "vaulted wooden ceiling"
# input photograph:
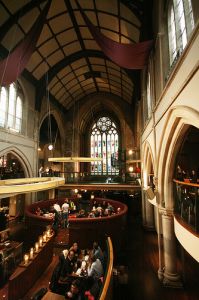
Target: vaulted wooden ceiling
(67, 59)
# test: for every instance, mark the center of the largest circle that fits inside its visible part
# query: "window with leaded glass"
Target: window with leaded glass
(11, 107)
(180, 25)
(104, 141)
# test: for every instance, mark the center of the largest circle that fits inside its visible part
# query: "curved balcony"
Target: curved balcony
(187, 203)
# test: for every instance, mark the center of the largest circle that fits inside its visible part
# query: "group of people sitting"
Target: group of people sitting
(79, 274)
(60, 214)
(98, 210)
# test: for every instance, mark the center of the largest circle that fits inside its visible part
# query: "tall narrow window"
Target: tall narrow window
(11, 107)
(3, 106)
(104, 144)
(180, 25)
(148, 96)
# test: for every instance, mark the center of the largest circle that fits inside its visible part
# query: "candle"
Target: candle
(36, 247)
(40, 241)
(31, 253)
(44, 238)
(26, 258)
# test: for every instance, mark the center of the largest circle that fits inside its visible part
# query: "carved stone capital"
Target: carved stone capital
(166, 212)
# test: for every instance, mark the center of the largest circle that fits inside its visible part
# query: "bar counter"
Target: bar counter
(25, 275)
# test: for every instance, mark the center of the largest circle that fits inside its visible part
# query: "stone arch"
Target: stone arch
(148, 213)
(107, 103)
(21, 157)
(148, 161)
(58, 119)
(180, 118)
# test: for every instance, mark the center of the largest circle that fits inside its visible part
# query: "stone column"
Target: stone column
(149, 215)
(51, 194)
(171, 276)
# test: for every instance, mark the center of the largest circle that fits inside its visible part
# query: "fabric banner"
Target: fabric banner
(129, 56)
(13, 65)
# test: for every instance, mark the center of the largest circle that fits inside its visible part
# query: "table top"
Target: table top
(52, 296)
(9, 245)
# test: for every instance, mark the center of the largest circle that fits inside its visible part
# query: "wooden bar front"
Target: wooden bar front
(25, 276)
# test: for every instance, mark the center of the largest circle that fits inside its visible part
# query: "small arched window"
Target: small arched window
(180, 25)
(104, 144)
(11, 107)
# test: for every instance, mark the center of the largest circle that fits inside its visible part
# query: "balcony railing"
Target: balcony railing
(85, 177)
(187, 202)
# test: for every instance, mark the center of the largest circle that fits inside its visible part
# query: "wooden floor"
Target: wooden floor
(140, 256)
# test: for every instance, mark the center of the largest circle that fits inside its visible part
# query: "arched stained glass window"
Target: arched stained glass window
(104, 144)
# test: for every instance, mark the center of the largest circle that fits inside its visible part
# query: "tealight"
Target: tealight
(36, 247)
(31, 253)
(44, 238)
(40, 241)
(26, 259)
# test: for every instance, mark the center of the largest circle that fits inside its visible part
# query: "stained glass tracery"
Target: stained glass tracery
(104, 144)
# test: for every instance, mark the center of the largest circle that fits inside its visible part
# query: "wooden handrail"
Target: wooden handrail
(186, 183)
(109, 272)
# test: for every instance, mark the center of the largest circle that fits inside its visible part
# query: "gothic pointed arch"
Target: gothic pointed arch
(22, 159)
(178, 121)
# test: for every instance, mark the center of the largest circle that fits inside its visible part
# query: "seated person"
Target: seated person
(67, 267)
(38, 211)
(82, 269)
(81, 214)
(95, 268)
(75, 291)
(63, 256)
(97, 251)
(91, 214)
(76, 250)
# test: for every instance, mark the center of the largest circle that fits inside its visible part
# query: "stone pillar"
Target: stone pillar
(149, 215)
(158, 228)
(51, 194)
(171, 276)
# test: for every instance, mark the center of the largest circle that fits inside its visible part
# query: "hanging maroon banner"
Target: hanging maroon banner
(13, 65)
(129, 56)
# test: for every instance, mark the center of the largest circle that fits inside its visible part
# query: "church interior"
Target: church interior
(99, 143)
